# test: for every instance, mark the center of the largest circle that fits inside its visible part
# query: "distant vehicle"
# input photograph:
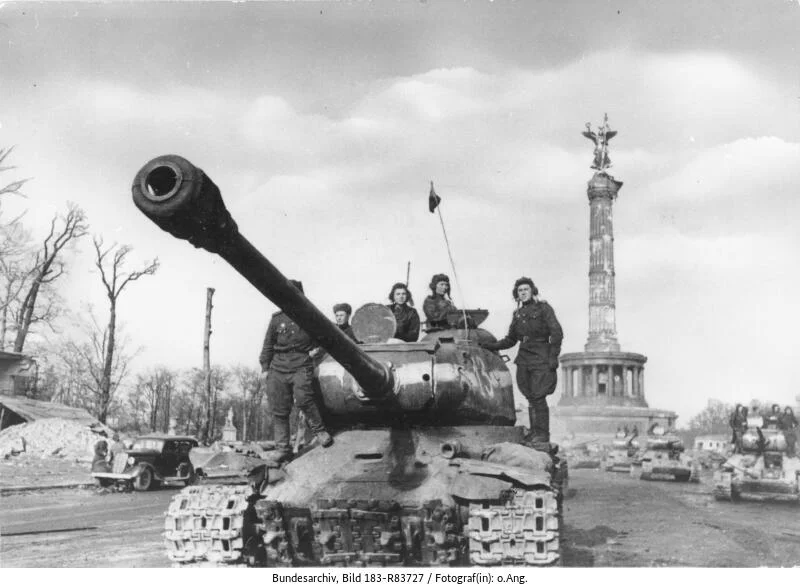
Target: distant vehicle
(620, 455)
(151, 460)
(763, 471)
(662, 457)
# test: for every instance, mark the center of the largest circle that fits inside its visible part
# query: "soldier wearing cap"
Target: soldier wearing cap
(402, 307)
(535, 327)
(342, 312)
(286, 356)
(438, 303)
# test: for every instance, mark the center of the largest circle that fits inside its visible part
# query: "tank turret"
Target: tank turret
(446, 377)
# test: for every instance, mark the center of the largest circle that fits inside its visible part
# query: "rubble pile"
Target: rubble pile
(51, 437)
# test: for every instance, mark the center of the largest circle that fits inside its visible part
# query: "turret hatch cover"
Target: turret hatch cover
(374, 323)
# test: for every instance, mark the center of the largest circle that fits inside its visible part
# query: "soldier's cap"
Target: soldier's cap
(524, 280)
(343, 307)
(437, 278)
(298, 285)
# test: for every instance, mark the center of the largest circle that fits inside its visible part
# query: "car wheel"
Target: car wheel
(144, 480)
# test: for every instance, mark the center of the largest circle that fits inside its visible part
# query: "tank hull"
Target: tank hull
(387, 497)
(746, 477)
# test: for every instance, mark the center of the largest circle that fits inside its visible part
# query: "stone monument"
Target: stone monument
(229, 431)
(602, 387)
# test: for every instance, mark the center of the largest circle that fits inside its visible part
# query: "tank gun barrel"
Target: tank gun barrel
(182, 200)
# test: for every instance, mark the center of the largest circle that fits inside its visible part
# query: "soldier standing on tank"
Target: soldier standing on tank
(286, 356)
(738, 424)
(535, 327)
(438, 303)
(342, 312)
(790, 427)
(406, 316)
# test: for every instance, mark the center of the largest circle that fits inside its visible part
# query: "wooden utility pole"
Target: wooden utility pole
(207, 363)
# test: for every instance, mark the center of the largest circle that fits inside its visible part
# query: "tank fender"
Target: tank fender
(472, 487)
(505, 472)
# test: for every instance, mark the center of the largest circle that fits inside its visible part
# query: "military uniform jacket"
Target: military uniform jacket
(535, 327)
(286, 346)
(407, 322)
(348, 330)
(436, 309)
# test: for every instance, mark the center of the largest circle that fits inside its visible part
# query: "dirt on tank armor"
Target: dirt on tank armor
(427, 467)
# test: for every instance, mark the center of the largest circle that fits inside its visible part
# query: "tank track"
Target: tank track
(208, 523)
(228, 524)
(523, 530)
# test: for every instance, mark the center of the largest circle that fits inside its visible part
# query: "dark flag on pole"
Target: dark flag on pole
(433, 199)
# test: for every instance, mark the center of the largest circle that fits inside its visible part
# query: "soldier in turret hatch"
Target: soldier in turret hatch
(438, 303)
(535, 327)
(286, 356)
(342, 312)
(406, 316)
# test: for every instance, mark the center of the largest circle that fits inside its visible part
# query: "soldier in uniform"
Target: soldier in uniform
(738, 423)
(438, 303)
(535, 327)
(286, 356)
(402, 306)
(342, 312)
(790, 427)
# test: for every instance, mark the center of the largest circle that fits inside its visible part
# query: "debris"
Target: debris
(50, 437)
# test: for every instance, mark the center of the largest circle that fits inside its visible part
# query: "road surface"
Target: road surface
(610, 520)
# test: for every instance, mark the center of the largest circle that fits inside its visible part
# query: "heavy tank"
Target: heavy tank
(763, 471)
(661, 457)
(426, 468)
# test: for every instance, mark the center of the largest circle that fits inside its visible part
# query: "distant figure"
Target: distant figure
(438, 303)
(286, 356)
(535, 327)
(342, 312)
(738, 424)
(99, 462)
(773, 417)
(402, 307)
(117, 449)
(791, 429)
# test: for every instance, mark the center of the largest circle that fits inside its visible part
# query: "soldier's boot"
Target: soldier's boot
(532, 418)
(324, 439)
(540, 421)
(282, 435)
(317, 426)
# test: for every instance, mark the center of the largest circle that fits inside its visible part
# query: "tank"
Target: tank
(763, 471)
(621, 453)
(661, 457)
(426, 467)
(584, 454)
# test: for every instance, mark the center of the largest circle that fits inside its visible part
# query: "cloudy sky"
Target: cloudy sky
(323, 123)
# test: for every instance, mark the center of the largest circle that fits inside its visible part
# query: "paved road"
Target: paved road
(609, 520)
(81, 528)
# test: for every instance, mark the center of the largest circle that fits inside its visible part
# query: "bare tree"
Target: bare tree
(115, 279)
(156, 388)
(251, 384)
(15, 253)
(14, 187)
(47, 268)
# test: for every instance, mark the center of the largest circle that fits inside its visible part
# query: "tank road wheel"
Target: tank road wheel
(143, 481)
